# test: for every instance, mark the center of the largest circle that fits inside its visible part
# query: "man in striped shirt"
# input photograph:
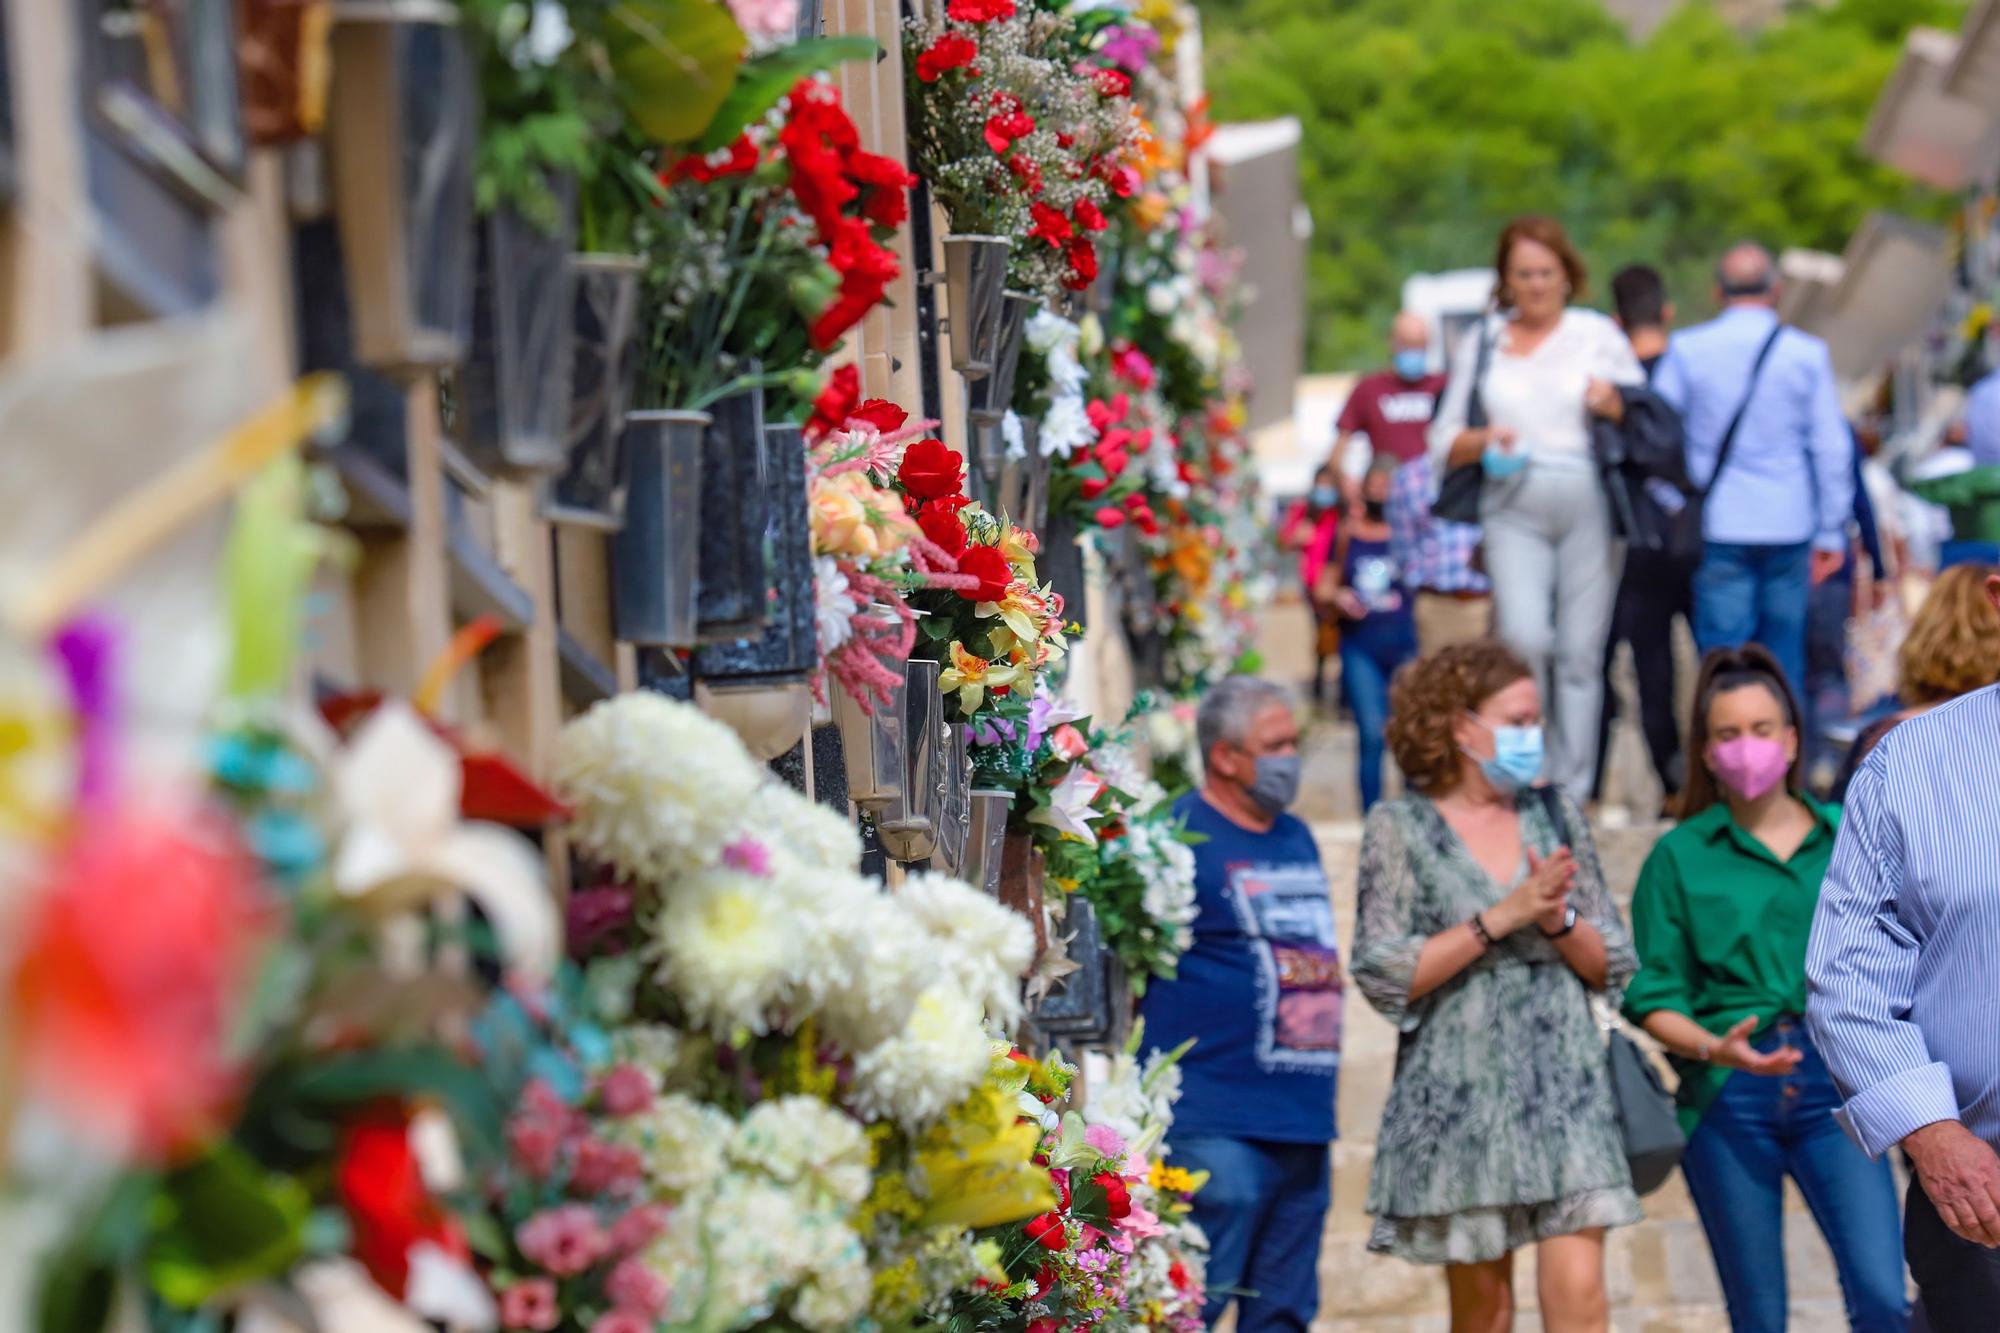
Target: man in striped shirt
(1903, 975)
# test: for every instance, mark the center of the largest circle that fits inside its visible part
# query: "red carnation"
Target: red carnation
(1082, 264)
(980, 11)
(1047, 1230)
(1050, 226)
(945, 529)
(1004, 127)
(389, 1210)
(930, 471)
(886, 201)
(949, 52)
(1110, 518)
(995, 575)
(835, 403)
(1027, 171)
(1089, 216)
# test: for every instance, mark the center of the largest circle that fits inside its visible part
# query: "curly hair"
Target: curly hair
(1953, 646)
(1429, 695)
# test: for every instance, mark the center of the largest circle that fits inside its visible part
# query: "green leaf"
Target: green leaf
(223, 1222)
(770, 76)
(76, 1291)
(675, 61)
(366, 1076)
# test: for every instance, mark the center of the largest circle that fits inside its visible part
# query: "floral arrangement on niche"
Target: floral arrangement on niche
(1019, 137)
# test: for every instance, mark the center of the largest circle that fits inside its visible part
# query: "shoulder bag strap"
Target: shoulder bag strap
(1729, 436)
(1475, 403)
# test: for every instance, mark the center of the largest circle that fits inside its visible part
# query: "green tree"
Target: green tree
(1429, 122)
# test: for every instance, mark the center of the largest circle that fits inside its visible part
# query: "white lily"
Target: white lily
(340, 1297)
(1068, 810)
(403, 843)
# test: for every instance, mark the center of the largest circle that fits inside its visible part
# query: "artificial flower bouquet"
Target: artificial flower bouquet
(1018, 136)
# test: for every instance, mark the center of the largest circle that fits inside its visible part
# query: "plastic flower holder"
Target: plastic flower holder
(955, 812)
(516, 381)
(985, 854)
(987, 398)
(402, 120)
(591, 490)
(975, 278)
(654, 556)
(908, 825)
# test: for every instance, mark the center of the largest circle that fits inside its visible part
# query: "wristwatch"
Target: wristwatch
(1569, 924)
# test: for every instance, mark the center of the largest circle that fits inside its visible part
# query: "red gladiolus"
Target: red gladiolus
(995, 575)
(134, 948)
(1047, 1232)
(1082, 264)
(1110, 518)
(980, 11)
(388, 1208)
(866, 269)
(1050, 226)
(949, 52)
(930, 471)
(1111, 82)
(945, 529)
(818, 139)
(1089, 216)
(836, 403)
(886, 184)
(1117, 1199)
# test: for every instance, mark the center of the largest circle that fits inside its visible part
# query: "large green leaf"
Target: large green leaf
(675, 61)
(770, 76)
(223, 1222)
(366, 1076)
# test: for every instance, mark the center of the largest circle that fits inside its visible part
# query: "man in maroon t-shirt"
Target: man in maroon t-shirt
(1392, 407)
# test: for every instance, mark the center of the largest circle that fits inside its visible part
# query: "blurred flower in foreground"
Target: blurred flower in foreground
(135, 947)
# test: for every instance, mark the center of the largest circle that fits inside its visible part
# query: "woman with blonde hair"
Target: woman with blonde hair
(1539, 373)
(1952, 648)
(1483, 928)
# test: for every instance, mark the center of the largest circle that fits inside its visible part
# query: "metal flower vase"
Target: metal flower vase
(955, 811)
(516, 381)
(975, 279)
(872, 748)
(403, 115)
(908, 826)
(733, 587)
(988, 399)
(986, 843)
(590, 491)
(654, 556)
(788, 648)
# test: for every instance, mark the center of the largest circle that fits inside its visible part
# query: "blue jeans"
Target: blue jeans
(1264, 1212)
(1758, 1131)
(1367, 661)
(1755, 594)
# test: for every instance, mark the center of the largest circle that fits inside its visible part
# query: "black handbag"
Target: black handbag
(1458, 495)
(1642, 458)
(1646, 1118)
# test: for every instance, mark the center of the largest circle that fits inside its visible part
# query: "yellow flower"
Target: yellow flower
(972, 676)
(1017, 544)
(978, 1167)
(1024, 611)
(1176, 1180)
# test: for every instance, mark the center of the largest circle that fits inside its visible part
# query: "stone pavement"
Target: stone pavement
(1660, 1276)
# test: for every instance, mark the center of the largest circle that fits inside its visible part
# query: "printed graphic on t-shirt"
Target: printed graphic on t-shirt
(1402, 408)
(1375, 582)
(1287, 915)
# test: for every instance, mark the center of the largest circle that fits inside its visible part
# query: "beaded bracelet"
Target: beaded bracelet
(1479, 929)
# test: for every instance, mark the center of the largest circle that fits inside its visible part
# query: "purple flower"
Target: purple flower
(1129, 47)
(595, 915)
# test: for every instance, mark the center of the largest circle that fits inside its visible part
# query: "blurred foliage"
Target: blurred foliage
(1429, 122)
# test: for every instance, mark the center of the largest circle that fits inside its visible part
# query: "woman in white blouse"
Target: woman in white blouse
(1550, 367)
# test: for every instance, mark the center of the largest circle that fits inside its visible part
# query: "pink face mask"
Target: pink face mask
(1749, 765)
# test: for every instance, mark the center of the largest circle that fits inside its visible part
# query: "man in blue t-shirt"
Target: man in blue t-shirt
(1259, 991)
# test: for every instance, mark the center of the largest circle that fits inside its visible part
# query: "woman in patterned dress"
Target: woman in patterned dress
(1483, 927)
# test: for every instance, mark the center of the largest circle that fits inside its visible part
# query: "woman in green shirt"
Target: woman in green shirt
(1720, 917)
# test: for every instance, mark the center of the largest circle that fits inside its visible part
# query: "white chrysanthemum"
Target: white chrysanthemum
(837, 1296)
(1013, 436)
(982, 944)
(833, 605)
(1067, 427)
(929, 1067)
(682, 1140)
(729, 949)
(869, 958)
(652, 1047)
(655, 784)
(762, 1240)
(801, 1140)
(811, 834)
(1045, 331)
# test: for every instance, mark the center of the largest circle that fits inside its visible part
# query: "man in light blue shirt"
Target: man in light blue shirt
(1982, 420)
(1901, 995)
(1776, 519)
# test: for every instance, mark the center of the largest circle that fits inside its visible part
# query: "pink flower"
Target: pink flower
(622, 1321)
(749, 856)
(1105, 1139)
(764, 22)
(530, 1305)
(624, 1090)
(1141, 1224)
(638, 1290)
(605, 1168)
(536, 1143)
(564, 1240)
(595, 917)
(638, 1228)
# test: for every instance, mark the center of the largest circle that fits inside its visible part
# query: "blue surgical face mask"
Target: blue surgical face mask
(1517, 756)
(1502, 463)
(1411, 362)
(1325, 497)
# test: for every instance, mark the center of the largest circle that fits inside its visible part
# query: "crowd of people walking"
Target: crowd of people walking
(1812, 958)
